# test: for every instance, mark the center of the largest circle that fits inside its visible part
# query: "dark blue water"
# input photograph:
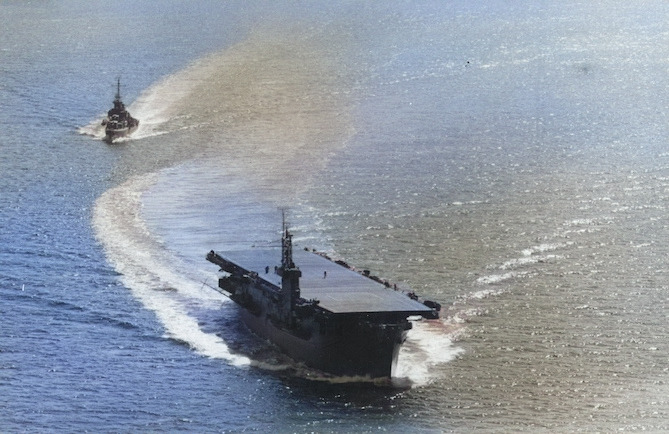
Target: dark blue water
(508, 160)
(77, 351)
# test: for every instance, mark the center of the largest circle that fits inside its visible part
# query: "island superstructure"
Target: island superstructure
(321, 313)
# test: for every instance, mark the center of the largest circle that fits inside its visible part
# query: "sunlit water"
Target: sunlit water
(507, 160)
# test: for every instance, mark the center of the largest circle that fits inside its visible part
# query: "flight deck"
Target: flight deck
(339, 289)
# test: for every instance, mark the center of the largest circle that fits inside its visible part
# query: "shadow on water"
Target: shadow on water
(374, 397)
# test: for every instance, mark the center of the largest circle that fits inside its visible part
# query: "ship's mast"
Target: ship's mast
(119, 107)
(118, 90)
(290, 274)
(286, 245)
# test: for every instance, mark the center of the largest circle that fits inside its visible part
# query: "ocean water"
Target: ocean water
(508, 160)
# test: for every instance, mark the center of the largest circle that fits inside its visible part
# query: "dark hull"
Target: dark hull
(348, 352)
(112, 134)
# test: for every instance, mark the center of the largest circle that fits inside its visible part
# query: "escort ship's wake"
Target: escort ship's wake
(119, 122)
(322, 313)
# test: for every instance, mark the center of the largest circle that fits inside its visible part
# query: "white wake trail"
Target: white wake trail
(155, 276)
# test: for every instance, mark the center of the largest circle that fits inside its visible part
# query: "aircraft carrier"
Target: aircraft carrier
(318, 311)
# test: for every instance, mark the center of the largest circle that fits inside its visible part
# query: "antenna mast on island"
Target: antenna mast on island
(286, 244)
(290, 274)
